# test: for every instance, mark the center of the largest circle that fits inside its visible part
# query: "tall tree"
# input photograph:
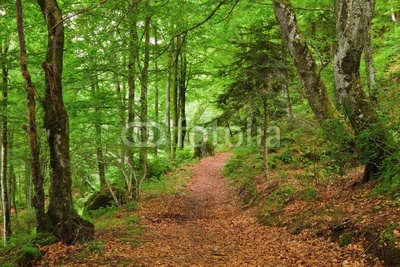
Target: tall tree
(4, 143)
(132, 69)
(182, 97)
(304, 61)
(70, 228)
(143, 97)
(353, 19)
(31, 129)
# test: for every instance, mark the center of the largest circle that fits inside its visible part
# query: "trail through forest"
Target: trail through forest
(206, 226)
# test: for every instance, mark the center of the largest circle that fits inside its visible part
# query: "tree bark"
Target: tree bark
(133, 55)
(143, 99)
(352, 23)
(168, 103)
(70, 228)
(182, 99)
(35, 168)
(99, 143)
(304, 61)
(369, 61)
(4, 145)
(175, 101)
(156, 96)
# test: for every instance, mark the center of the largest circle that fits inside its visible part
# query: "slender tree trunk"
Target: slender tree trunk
(70, 228)
(266, 169)
(35, 167)
(286, 93)
(99, 143)
(352, 23)
(121, 111)
(168, 104)
(156, 96)
(133, 55)
(182, 99)
(175, 100)
(4, 146)
(143, 98)
(304, 61)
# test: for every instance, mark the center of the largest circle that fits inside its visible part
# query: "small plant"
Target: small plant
(345, 239)
(275, 203)
(310, 193)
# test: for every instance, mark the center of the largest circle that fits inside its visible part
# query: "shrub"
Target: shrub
(157, 167)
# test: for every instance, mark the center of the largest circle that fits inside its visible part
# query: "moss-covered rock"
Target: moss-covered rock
(104, 198)
(205, 149)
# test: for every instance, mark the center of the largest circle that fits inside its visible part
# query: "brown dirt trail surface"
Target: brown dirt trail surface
(203, 226)
(207, 227)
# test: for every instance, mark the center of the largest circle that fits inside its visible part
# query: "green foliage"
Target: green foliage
(172, 183)
(345, 239)
(158, 166)
(33, 252)
(275, 203)
(389, 177)
(183, 156)
(309, 193)
(245, 164)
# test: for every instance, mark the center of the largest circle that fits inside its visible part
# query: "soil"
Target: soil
(207, 226)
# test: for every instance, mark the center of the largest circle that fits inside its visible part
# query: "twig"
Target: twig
(113, 194)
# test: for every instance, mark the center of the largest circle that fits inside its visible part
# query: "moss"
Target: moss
(345, 239)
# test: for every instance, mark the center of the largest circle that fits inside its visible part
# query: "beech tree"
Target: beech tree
(70, 228)
(304, 61)
(31, 129)
(4, 46)
(353, 20)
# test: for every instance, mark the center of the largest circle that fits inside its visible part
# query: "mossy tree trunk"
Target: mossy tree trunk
(35, 168)
(69, 227)
(304, 61)
(353, 19)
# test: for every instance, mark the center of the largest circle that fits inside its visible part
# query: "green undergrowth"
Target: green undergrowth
(172, 183)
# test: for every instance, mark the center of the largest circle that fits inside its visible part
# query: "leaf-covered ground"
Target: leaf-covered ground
(206, 226)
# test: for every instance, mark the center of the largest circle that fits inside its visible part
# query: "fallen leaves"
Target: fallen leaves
(208, 227)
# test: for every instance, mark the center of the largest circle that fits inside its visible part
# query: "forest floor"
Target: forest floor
(204, 225)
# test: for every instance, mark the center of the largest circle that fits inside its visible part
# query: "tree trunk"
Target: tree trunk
(4, 146)
(35, 168)
(156, 96)
(168, 103)
(143, 99)
(369, 62)
(133, 55)
(304, 61)
(70, 228)
(99, 143)
(352, 23)
(182, 99)
(175, 95)
(266, 169)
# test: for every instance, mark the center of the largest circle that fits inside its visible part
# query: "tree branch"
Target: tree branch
(80, 12)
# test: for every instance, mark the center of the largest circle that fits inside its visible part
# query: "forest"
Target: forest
(200, 133)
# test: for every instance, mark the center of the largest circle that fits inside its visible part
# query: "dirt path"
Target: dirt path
(207, 227)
